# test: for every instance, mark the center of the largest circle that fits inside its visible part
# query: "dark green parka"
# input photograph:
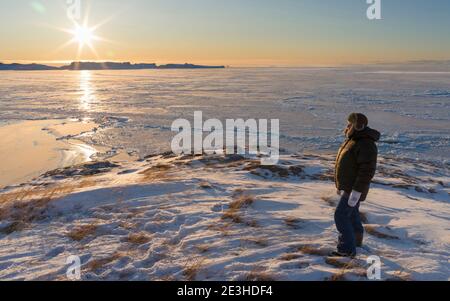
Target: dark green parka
(356, 162)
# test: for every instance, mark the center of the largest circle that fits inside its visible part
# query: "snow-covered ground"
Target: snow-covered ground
(221, 218)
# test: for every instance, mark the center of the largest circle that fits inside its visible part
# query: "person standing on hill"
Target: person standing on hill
(356, 165)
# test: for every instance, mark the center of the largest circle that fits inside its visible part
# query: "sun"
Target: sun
(83, 35)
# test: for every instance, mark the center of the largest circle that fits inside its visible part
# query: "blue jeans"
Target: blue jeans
(348, 223)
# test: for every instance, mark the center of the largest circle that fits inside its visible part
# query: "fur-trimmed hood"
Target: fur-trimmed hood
(367, 133)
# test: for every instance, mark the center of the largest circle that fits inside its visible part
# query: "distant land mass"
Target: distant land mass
(102, 66)
(26, 67)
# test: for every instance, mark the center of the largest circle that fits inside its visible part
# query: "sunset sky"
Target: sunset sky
(230, 32)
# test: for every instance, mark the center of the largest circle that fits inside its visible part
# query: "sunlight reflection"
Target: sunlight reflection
(87, 92)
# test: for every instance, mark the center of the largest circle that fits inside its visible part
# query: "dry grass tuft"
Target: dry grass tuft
(232, 215)
(360, 272)
(222, 228)
(192, 269)
(13, 227)
(15, 196)
(347, 268)
(311, 250)
(202, 248)
(29, 205)
(341, 264)
(24, 210)
(237, 192)
(97, 264)
(289, 257)
(166, 278)
(242, 201)
(293, 222)
(261, 241)
(400, 276)
(138, 238)
(259, 276)
(127, 225)
(205, 185)
(158, 172)
(252, 224)
(80, 233)
(372, 230)
(340, 276)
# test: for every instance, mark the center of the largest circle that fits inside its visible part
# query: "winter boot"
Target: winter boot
(342, 254)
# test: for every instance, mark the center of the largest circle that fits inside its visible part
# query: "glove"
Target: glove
(355, 196)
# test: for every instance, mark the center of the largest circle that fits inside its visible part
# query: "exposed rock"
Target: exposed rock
(87, 169)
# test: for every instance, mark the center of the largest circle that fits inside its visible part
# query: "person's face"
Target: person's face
(349, 130)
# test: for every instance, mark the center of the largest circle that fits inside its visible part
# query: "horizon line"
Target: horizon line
(60, 63)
